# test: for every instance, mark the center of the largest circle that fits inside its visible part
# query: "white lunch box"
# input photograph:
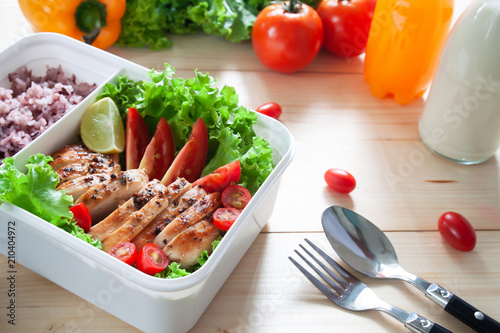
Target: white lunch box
(160, 305)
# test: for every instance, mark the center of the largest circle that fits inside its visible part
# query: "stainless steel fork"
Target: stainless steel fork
(348, 292)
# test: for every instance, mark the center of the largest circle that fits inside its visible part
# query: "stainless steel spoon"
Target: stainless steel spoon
(366, 249)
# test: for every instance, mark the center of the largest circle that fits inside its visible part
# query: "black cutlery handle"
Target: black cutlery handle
(439, 329)
(471, 316)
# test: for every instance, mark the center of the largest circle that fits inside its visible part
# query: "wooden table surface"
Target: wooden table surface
(337, 123)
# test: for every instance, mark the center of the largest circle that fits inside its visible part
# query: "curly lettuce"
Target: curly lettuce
(35, 192)
(182, 101)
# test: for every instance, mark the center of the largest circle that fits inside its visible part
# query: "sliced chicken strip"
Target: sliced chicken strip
(104, 198)
(187, 246)
(117, 218)
(76, 170)
(136, 221)
(193, 214)
(79, 154)
(176, 207)
(78, 186)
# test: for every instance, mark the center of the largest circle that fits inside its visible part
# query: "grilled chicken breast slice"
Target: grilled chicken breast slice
(78, 186)
(76, 170)
(192, 215)
(175, 208)
(104, 198)
(136, 221)
(187, 246)
(119, 216)
(79, 154)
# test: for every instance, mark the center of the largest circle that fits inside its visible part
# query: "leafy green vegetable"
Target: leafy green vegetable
(147, 22)
(182, 101)
(36, 193)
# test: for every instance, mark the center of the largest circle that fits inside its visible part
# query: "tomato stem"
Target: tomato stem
(293, 6)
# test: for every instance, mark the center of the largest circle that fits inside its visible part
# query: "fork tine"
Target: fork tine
(323, 288)
(337, 278)
(332, 284)
(345, 274)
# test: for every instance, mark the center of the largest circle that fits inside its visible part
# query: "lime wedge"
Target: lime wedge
(102, 128)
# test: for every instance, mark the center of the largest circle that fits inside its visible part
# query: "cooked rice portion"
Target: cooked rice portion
(33, 104)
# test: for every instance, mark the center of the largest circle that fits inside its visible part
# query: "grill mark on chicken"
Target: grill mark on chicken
(104, 198)
(176, 207)
(185, 248)
(192, 215)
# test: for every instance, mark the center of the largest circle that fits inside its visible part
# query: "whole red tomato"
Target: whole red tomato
(286, 37)
(346, 24)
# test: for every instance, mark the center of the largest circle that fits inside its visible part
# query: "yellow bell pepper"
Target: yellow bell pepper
(96, 22)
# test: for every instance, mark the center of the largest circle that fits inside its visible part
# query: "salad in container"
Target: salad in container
(148, 189)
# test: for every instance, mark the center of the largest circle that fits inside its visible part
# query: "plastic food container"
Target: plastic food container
(159, 305)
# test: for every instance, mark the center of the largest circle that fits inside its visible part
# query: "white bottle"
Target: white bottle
(461, 118)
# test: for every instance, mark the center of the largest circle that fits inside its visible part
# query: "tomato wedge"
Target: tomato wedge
(151, 259)
(190, 160)
(137, 139)
(160, 152)
(221, 178)
(126, 252)
(224, 217)
(82, 216)
(236, 196)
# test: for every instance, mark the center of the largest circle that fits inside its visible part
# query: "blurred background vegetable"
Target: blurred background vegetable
(147, 23)
(95, 22)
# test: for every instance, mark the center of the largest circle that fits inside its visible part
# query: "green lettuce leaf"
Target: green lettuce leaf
(182, 101)
(35, 192)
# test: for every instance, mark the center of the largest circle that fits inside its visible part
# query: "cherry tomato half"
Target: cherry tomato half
(225, 217)
(151, 259)
(270, 109)
(126, 252)
(82, 216)
(235, 196)
(457, 231)
(346, 24)
(340, 180)
(287, 39)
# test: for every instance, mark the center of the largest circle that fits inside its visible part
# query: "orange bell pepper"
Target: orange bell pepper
(96, 22)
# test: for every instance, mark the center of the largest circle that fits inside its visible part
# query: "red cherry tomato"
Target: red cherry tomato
(224, 218)
(340, 180)
(287, 39)
(151, 259)
(235, 196)
(82, 216)
(457, 231)
(270, 109)
(126, 252)
(346, 24)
